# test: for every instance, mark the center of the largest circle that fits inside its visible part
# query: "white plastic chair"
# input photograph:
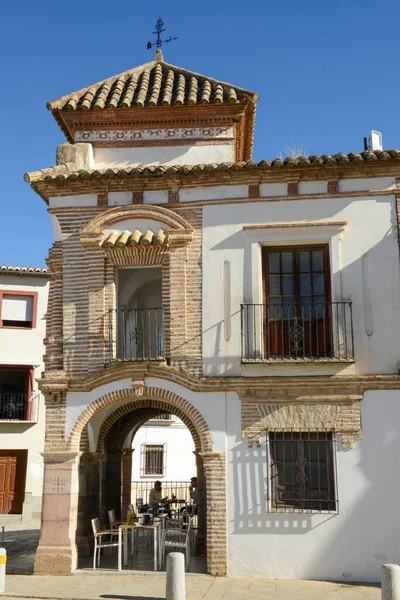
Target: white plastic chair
(100, 543)
(113, 521)
(178, 538)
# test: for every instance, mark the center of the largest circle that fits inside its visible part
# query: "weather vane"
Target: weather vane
(158, 32)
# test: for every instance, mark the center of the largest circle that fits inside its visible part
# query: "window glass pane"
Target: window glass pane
(318, 284)
(274, 308)
(287, 285)
(319, 307)
(317, 260)
(274, 285)
(17, 308)
(305, 285)
(287, 262)
(304, 262)
(273, 262)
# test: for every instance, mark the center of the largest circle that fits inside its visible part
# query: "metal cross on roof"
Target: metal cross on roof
(159, 42)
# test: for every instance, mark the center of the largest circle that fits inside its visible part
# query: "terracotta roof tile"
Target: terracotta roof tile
(63, 172)
(14, 270)
(119, 239)
(152, 84)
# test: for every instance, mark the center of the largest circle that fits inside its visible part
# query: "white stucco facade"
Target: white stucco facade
(23, 348)
(179, 462)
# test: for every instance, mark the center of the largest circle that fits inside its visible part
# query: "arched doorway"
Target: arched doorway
(96, 470)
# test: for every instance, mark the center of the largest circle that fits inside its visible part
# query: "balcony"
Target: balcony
(314, 332)
(19, 407)
(136, 334)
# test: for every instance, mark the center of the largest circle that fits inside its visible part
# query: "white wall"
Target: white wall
(180, 460)
(371, 228)
(349, 546)
(163, 155)
(25, 347)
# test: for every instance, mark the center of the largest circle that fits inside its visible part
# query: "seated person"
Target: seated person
(155, 495)
(193, 495)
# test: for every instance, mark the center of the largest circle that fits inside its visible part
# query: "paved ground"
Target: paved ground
(21, 550)
(147, 585)
(150, 586)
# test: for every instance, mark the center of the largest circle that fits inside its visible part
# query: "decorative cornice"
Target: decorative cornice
(250, 386)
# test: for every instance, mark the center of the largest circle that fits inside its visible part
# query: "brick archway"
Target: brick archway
(136, 414)
(82, 476)
(146, 397)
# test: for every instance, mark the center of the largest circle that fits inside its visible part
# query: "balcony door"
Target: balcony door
(297, 316)
(139, 314)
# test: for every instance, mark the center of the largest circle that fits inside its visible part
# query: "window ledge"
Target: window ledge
(18, 421)
(300, 360)
(299, 511)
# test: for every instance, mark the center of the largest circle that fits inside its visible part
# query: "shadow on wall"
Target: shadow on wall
(351, 545)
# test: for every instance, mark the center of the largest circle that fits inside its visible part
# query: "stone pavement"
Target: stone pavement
(21, 551)
(151, 586)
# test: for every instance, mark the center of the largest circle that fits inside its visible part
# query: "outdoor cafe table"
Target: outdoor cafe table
(156, 527)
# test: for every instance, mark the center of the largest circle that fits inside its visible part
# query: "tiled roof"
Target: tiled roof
(156, 83)
(62, 172)
(119, 239)
(14, 270)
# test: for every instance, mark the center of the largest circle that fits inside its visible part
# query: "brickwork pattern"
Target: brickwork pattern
(344, 418)
(146, 397)
(54, 318)
(215, 479)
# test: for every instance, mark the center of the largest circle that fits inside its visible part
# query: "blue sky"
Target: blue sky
(326, 73)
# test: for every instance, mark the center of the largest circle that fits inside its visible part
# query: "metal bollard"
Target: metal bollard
(3, 560)
(175, 576)
(390, 582)
(3, 529)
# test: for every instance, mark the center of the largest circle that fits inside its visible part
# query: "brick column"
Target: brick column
(201, 507)
(89, 500)
(126, 478)
(215, 477)
(176, 314)
(97, 318)
(113, 484)
(57, 554)
(54, 322)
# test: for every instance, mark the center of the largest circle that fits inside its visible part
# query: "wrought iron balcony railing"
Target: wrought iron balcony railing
(313, 331)
(136, 334)
(19, 407)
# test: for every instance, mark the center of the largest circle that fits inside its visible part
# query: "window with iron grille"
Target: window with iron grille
(153, 459)
(302, 472)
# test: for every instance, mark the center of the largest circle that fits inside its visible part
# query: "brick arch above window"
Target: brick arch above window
(143, 397)
(179, 229)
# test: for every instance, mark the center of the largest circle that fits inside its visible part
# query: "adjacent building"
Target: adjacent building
(23, 306)
(256, 302)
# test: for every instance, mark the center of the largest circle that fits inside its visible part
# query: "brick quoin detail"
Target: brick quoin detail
(102, 199)
(333, 186)
(293, 188)
(147, 396)
(254, 190)
(137, 197)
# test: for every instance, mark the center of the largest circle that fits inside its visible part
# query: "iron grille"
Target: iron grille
(302, 472)
(153, 459)
(19, 407)
(141, 490)
(136, 334)
(308, 331)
